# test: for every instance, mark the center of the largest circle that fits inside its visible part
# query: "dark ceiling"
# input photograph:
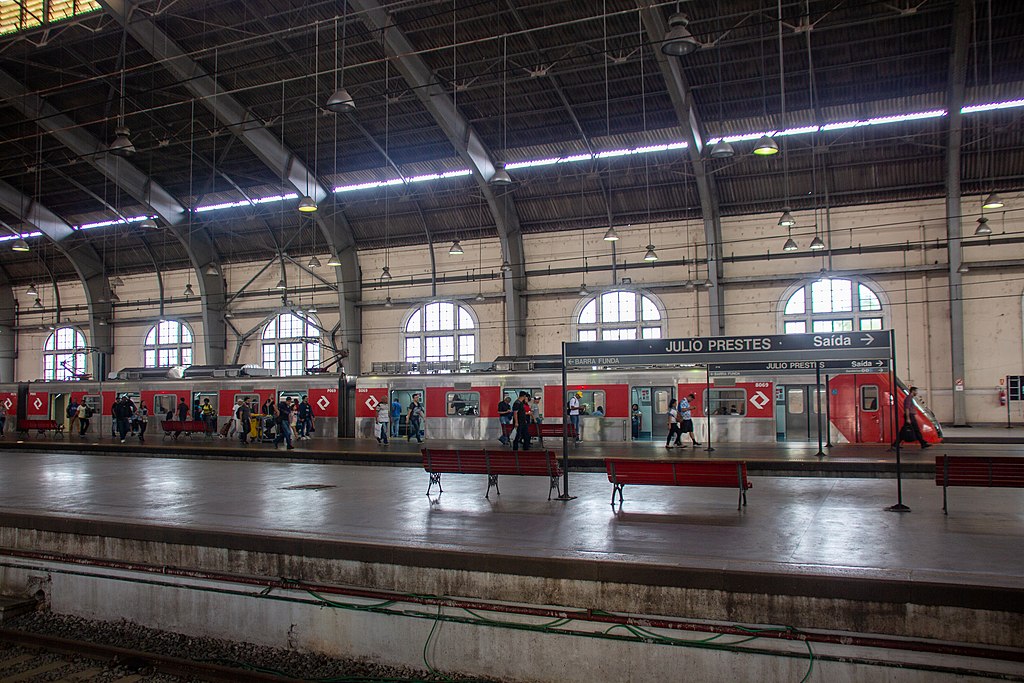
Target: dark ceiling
(534, 79)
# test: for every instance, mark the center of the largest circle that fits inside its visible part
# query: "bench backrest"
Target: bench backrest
(966, 470)
(463, 461)
(25, 424)
(672, 473)
(183, 425)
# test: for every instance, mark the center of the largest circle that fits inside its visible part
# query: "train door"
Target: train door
(870, 414)
(653, 404)
(95, 403)
(404, 398)
(800, 402)
(59, 406)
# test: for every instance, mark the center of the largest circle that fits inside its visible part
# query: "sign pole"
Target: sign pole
(707, 404)
(564, 496)
(1008, 426)
(828, 413)
(899, 506)
(817, 400)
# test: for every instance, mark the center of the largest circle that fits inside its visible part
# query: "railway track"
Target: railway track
(28, 657)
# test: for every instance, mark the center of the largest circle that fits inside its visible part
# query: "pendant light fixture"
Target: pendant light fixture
(122, 145)
(313, 308)
(962, 268)
(385, 274)
(114, 298)
(993, 201)
(20, 245)
(983, 228)
(334, 261)
(678, 41)
(790, 245)
(281, 285)
(37, 305)
(479, 297)
(611, 235)
(307, 205)
(766, 146)
(651, 255)
(456, 249)
(32, 291)
(817, 244)
(583, 289)
(314, 262)
(211, 270)
(188, 291)
(117, 281)
(148, 224)
(387, 302)
(341, 101)
(786, 220)
(721, 150)
(501, 178)
(505, 266)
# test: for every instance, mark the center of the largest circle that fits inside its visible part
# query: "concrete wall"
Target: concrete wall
(898, 246)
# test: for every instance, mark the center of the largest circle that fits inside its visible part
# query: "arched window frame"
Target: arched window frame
(597, 329)
(292, 354)
(60, 360)
(425, 345)
(859, 317)
(162, 348)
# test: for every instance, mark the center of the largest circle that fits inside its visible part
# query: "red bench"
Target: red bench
(968, 470)
(189, 427)
(728, 475)
(492, 463)
(39, 426)
(550, 429)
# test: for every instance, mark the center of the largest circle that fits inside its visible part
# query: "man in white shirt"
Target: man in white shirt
(574, 414)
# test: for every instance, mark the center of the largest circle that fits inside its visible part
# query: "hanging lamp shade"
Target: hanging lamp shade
(786, 220)
(37, 305)
(982, 228)
(188, 290)
(766, 146)
(993, 201)
(387, 302)
(501, 176)
(790, 245)
(102, 322)
(148, 224)
(479, 297)
(117, 281)
(121, 145)
(688, 284)
(340, 102)
(611, 235)
(19, 245)
(679, 42)
(456, 249)
(963, 268)
(212, 270)
(721, 150)
(334, 261)
(314, 262)
(32, 291)
(506, 266)
(313, 309)
(583, 290)
(280, 284)
(385, 274)
(307, 205)
(114, 298)
(817, 244)
(228, 314)
(651, 255)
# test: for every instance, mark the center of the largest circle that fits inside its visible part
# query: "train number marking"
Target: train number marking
(759, 400)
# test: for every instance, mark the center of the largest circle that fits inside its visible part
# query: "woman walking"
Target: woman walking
(674, 428)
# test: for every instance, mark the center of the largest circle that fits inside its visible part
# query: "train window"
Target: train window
(661, 399)
(726, 401)
(869, 397)
(795, 401)
(590, 400)
(462, 403)
(164, 403)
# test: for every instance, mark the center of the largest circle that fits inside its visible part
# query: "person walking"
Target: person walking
(209, 417)
(3, 418)
(504, 417)
(911, 430)
(182, 410)
(122, 414)
(686, 418)
(284, 430)
(673, 425)
(72, 413)
(243, 413)
(383, 422)
(305, 418)
(574, 414)
(537, 411)
(413, 419)
(396, 416)
(140, 420)
(521, 421)
(84, 417)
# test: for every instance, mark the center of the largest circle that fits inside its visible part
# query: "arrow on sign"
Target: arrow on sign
(867, 339)
(759, 400)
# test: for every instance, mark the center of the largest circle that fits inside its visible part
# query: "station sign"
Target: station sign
(837, 346)
(800, 366)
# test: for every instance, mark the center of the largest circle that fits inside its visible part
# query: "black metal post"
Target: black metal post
(1008, 425)
(828, 411)
(899, 506)
(707, 404)
(565, 433)
(817, 402)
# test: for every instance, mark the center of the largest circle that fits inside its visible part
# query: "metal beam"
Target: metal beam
(471, 149)
(143, 189)
(954, 101)
(689, 121)
(8, 323)
(85, 261)
(267, 147)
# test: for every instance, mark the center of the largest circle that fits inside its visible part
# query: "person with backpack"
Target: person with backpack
(209, 416)
(122, 412)
(140, 421)
(504, 418)
(414, 419)
(84, 417)
(72, 413)
(304, 421)
(396, 416)
(243, 414)
(521, 421)
(284, 430)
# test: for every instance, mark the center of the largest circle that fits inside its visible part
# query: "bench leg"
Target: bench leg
(492, 480)
(617, 488)
(554, 485)
(743, 494)
(435, 478)
(944, 510)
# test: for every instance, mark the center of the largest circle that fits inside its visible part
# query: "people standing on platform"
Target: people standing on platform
(574, 414)
(674, 428)
(122, 412)
(636, 419)
(911, 430)
(504, 417)
(293, 417)
(284, 430)
(140, 421)
(72, 413)
(182, 410)
(209, 416)
(243, 413)
(383, 422)
(521, 421)
(686, 418)
(537, 411)
(84, 417)
(413, 419)
(305, 418)
(3, 418)
(396, 416)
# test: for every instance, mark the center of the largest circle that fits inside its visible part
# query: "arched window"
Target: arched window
(619, 315)
(831, 305)
(291, 344)
(440, 331)
(64, 354)
(168, 344)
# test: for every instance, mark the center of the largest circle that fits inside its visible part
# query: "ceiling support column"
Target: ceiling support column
(954, 102)
(8, 322)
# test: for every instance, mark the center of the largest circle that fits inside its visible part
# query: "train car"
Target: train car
(855, 408)
(161, 391)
